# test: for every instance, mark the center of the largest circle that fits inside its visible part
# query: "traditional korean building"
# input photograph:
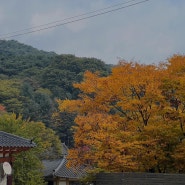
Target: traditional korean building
(56, 171)
(11, 144)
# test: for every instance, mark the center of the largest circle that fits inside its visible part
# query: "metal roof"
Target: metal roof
(10, 140)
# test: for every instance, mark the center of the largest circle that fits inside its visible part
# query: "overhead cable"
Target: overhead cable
(72, 19)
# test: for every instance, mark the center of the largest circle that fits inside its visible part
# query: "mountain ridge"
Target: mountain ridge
(32, 80)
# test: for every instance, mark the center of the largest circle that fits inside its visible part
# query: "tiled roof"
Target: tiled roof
(130, 178)
(10, 140)
(72, 172)
(50, 166)
(59, 167)
(64, 149)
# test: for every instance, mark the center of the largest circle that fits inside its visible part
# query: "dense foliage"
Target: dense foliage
(31, 81)
(131, 120)
(28, 165)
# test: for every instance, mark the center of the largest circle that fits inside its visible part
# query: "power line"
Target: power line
(54, 22)
(20, 32)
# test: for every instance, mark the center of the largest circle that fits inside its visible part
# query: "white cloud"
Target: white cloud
(149, 32)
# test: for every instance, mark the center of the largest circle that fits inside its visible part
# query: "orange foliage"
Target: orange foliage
(132, 120)
(2, 108)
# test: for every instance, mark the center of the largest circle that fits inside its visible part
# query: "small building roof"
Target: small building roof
(59, 168)
(10, 140)
(50, 166)
(64, 149)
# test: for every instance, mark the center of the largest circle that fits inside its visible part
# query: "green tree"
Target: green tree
(10, 95)
(28, 74)
(28, 166)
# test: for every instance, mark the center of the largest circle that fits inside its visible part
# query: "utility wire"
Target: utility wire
(54, 22)
(13, 34)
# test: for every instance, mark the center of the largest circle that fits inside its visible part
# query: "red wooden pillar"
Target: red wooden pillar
(9, 179)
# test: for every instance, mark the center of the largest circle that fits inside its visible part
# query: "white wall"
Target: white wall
(62, 183)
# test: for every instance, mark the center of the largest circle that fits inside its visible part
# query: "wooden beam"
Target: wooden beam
(6, 159)
(11, 150)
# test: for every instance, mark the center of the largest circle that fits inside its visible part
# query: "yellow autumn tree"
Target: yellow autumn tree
(173, 90)
(125, 121)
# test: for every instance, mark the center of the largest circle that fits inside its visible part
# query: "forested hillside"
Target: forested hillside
(32, 80)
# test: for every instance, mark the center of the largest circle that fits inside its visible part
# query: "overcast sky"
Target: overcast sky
(149, 32)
